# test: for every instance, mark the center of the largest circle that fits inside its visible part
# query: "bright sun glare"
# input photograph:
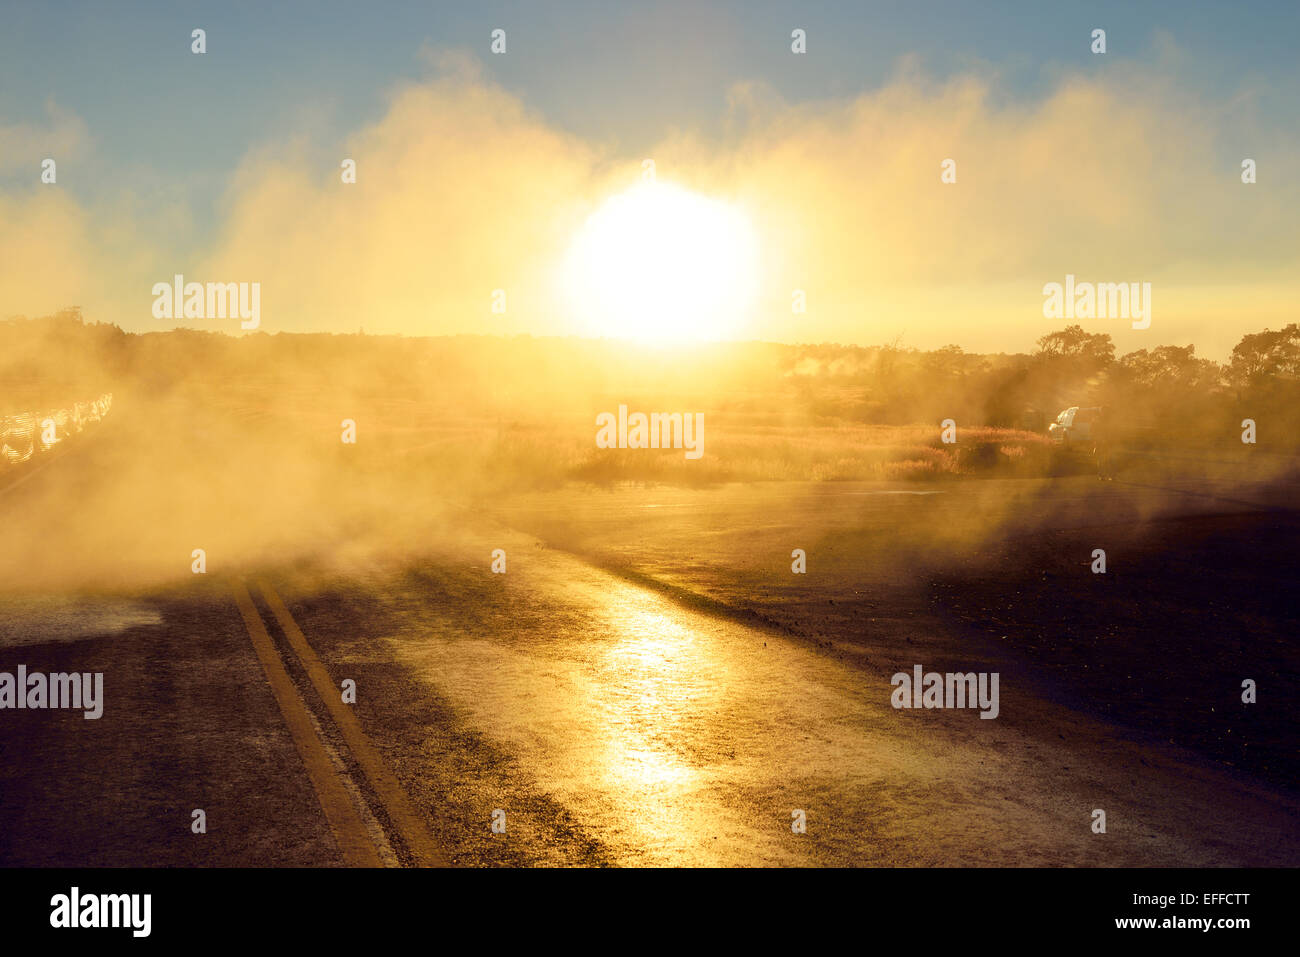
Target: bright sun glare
(659, 262)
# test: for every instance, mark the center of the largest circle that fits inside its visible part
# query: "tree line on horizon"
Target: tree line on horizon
(1166, 388)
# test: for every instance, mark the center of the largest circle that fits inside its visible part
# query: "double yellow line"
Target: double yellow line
(344, 817)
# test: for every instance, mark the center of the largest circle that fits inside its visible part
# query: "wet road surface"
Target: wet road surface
(595, 716)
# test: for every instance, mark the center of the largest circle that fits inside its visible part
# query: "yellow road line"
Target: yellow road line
(410, 824)
(344, 819)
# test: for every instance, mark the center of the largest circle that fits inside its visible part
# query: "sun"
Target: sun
(663, 263)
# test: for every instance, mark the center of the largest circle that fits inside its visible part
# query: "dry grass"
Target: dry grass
(542, 455)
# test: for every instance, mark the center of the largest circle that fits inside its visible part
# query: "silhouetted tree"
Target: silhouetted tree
(1266, 354)
(1072, 342)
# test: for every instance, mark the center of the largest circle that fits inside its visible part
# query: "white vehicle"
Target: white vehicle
(1075, 427)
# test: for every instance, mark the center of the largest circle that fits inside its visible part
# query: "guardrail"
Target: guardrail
(31, 433)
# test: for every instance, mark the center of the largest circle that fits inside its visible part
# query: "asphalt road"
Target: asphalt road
(635, 689)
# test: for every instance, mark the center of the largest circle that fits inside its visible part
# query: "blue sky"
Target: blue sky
(623, 74)
(171, 162)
